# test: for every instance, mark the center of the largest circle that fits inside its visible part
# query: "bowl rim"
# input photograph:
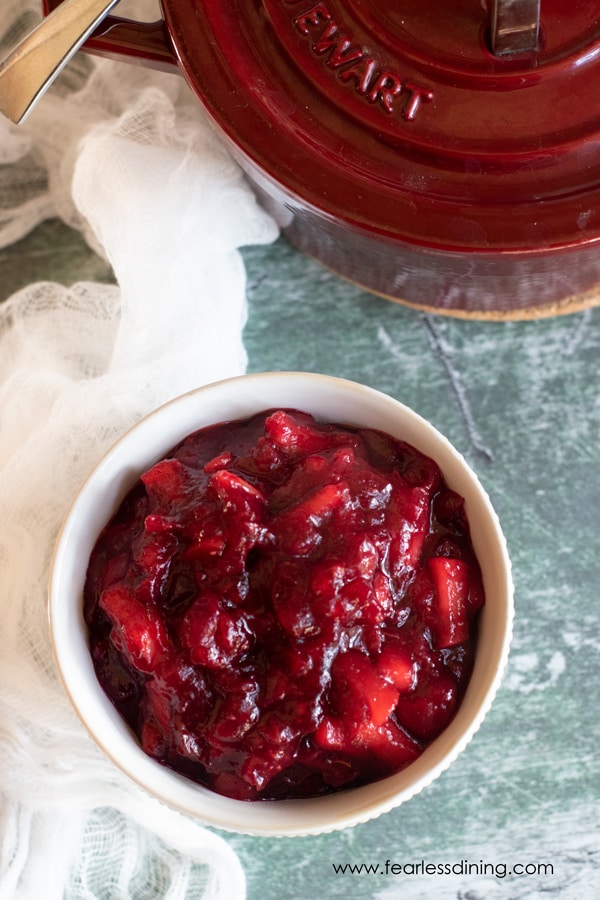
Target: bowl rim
(142, 445)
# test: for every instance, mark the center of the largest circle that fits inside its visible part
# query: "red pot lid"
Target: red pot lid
(397, 117)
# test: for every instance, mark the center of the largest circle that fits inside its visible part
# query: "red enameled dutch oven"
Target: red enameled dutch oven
(426, 151)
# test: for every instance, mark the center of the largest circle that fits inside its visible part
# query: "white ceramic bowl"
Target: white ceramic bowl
(330, 399)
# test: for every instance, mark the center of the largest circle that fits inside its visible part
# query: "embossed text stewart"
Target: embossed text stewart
(355, 65)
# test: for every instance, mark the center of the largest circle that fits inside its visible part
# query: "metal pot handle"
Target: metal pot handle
(118, 38)
(515, 26)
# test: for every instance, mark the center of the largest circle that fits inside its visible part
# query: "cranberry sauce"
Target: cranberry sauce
(283, 609)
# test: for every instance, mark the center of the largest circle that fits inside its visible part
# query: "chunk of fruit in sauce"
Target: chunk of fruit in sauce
(282, 608)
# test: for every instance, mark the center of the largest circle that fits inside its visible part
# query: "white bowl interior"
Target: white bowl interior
(329, 399)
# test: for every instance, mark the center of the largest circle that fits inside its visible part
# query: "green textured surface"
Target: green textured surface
(52, 252)
(521, 402)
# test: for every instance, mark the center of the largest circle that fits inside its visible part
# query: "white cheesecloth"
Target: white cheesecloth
(124, 155)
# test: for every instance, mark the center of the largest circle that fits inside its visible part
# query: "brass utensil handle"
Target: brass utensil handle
(34, 64)
(515, 26)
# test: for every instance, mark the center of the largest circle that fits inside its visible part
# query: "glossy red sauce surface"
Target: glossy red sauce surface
(283, 609)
